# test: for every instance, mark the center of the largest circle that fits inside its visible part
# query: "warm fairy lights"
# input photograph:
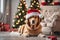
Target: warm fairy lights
(19, 14)
(23, 11)
(18, 20)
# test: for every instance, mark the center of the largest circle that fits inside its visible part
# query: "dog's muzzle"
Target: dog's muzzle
(33, 27)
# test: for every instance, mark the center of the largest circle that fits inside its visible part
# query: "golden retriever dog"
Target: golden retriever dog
(32, 27)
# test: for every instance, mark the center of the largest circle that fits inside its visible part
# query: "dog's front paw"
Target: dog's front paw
(25, 35)
(42, 35)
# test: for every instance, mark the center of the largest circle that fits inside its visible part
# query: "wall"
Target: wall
(0, 5)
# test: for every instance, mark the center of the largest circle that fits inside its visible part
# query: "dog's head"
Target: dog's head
(33, 22)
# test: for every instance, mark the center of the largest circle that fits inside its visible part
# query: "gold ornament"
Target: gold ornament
(24, 2)
(13, 25)
(37, 6)
(31, 6)
(19, 7)
(19, 14)
(18, 21)
(21, 19)
(23, 11)
(37, 3)
(32, 3)
(26, 5)
(20, 4)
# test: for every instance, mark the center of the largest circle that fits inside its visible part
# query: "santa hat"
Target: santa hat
(33, 12)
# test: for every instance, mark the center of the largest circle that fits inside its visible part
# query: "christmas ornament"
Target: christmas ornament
(13, 25)
(19, 7)
(19, 14)
(24, 2)
(37, 3)
(56, 3)
(26, 5)
(43, 3)
(37, 6)
(21, 19)
(17, 23)
(20, 4)
(32, 3)
(52, 37)
(23, 11)
(31, 6)
(48, 1)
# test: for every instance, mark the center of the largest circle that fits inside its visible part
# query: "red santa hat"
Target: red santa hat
(33, 12)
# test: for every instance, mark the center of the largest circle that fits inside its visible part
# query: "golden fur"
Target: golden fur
(27, 29)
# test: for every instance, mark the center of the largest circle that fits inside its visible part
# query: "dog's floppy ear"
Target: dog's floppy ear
(39, 19)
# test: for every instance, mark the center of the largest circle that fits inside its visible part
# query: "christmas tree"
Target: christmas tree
(35, 5)
(19, 18)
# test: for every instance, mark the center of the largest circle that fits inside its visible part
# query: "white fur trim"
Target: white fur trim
(33, 14)
(41, 16)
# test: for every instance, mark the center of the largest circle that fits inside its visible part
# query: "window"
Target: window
(1, 6)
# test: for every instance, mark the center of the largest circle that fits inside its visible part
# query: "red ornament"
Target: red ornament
(56, 3)
(52, 37)
(44, 3)
(7, 27)
(2, 23)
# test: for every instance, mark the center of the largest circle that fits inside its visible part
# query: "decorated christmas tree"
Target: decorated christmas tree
(19, 18)
(35, 5)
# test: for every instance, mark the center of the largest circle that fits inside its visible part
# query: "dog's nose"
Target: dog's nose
(33, 21)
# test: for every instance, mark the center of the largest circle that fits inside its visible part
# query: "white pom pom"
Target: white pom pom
(41, 16)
